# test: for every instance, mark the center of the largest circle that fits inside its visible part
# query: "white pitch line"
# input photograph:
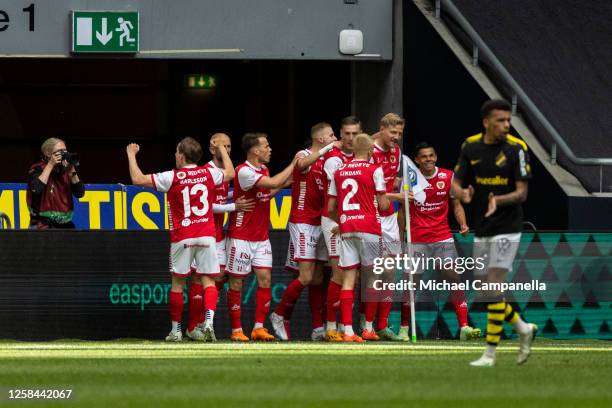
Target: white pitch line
(281, 349)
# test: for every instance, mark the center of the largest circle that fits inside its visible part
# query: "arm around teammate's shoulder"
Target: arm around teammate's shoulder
(277, 181)
(304, 161)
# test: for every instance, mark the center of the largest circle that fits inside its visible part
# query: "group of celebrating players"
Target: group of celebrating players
(342, 215)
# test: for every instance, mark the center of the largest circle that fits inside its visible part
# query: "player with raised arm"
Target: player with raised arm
(304, 231)
(356, 194)
(249, 248)
(499, 164)
(190, 190)
(334, 159)
(432, 236)
(220, 208)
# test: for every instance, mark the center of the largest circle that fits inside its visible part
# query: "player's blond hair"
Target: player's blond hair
(362, 143)
(391, 119)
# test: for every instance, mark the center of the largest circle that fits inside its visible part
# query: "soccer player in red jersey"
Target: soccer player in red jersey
(431, 234)
(386, 153)
(220, 207)
(356, 194)
(190, 190)
(249, 248)
(304, 230)
(335, 158)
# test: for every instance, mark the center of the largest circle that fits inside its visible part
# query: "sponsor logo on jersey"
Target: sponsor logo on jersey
(492, 181)
(472, 162)
(393, 159)
(440, 185)
(442, 175)
(195, 246)
(181, 175)
(500, 160)
(186, 222)
(342, 218)
(263, 196)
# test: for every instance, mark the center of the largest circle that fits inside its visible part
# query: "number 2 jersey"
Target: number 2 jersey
(190, 197)
(355, 186)
(332, 161)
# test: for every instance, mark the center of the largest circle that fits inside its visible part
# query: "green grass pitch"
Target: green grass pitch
(429, 374)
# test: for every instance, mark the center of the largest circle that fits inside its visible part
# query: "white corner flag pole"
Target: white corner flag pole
(407, 187)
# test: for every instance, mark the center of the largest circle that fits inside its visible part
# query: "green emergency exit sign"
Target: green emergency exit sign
(201, 81)
(105, 31)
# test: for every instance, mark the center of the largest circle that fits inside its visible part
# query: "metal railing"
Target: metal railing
(479, 46)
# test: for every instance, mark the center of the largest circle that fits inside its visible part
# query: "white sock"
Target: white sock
(404, 327)
(258, 326)
(340, 327)
(209, 316)
(521, 327)
(332, 325)
(176, 326)
(348, 330)
(368, 326)
(490, 350)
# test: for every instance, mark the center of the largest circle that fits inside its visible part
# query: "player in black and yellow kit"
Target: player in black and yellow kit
(498, 164)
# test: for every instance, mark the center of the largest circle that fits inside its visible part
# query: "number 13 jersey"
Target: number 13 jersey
(190, 200)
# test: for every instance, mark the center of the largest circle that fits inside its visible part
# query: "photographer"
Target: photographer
(52, 183)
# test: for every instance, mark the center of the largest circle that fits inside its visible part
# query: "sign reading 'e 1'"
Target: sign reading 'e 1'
(105, 31)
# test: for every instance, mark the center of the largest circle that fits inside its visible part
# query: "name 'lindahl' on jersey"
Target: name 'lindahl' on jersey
(476, 284)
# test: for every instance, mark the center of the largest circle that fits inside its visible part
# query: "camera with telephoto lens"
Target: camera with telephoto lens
(71, 158)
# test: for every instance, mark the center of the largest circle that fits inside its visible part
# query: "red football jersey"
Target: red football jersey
(190, 199)
(355, 186)
(221, 192)
(389, 160)
(429, 220)
(307, 196)
(252, 225)
(332, 161)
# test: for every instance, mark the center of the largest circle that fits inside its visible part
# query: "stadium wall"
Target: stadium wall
(209, 28)
(113, 284)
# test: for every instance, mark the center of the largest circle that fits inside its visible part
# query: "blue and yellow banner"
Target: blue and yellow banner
(118, 207)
